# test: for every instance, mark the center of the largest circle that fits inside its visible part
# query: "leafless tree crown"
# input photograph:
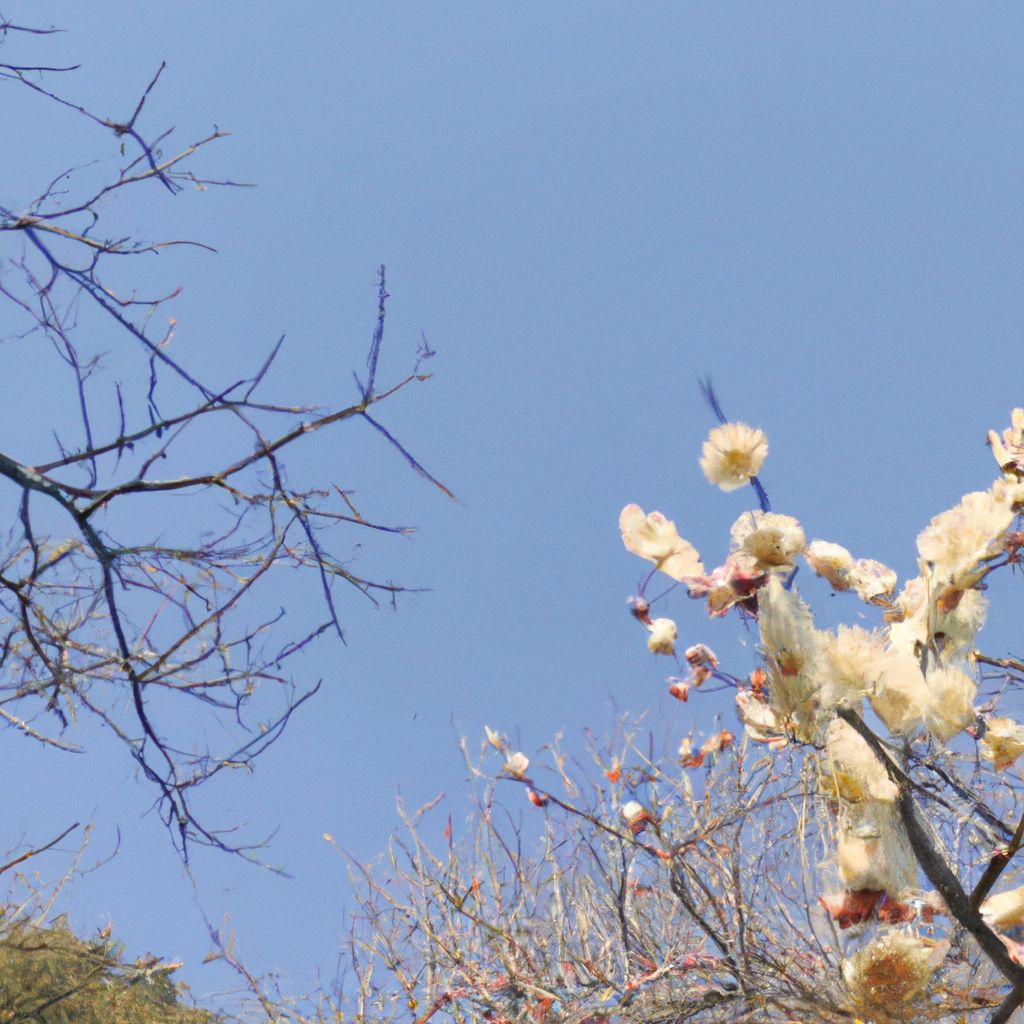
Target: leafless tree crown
(144, 541)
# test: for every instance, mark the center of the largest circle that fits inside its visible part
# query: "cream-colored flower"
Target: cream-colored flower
(1004, 909)
(1009, 492)
(958, 542)
(496, 740)
(956, 628)
(792, 652)
(729, 584)
(912, 598)
(950, 707)
(900, 693)
(772, 540)
(632, 809)
(637, 816)
(871, 581)
(873, 850)
(656, 539)
(948, 626)
(910, 635)
(517, 765)
(893, 969)
(831, 561)
(851, 771)
(1008, 450)
(850, 665)
(760, 722)
(1003, 742)
(662, 639)
(732, 454)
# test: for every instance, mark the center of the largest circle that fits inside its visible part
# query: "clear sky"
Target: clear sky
(585, 207)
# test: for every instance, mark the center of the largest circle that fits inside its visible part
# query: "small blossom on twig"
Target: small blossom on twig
(517, 765)
(1008, 450)
(1004, 909)
(732, 454)
(637, 816)
(655, 538)
(831, 561)
(663, 637)
(679, 689)
(702, 662)
(496, 740)
(772, 540)
(1003, 742)
(640, 610)
(871, 581)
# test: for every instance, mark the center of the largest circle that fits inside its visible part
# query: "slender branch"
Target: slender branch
(1008, 663)
(998, 863)
(932, 861)
(37, 850)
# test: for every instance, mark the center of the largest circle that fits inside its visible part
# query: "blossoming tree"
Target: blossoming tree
(844, 859)
(887, 718)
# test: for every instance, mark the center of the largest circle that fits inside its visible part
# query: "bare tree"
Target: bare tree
(113, 603)
(583, 915)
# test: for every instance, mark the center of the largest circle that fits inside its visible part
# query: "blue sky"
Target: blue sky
(585, 208)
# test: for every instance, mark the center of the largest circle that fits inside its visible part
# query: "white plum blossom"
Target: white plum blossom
(959, 542)
(662, 639)
(792, 649)
(849, 666)
(496, 740)
(632, 809)
(900, 694)
(636, 815)
(760, 722)
(851, 769)
(907, 699)
(1008, 450)
(1003, 742)
(517, 765)
(949, 627)
(732, 454)
(832, 561)
(655, 538)
(950, 707)
(912, 661)
(871, 581)
(772, 540)
(873, 851)
(1004, 909)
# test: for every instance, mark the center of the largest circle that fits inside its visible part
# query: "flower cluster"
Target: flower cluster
(915, 671)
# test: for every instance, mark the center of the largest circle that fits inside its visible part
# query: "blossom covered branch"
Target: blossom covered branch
(917, 672)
